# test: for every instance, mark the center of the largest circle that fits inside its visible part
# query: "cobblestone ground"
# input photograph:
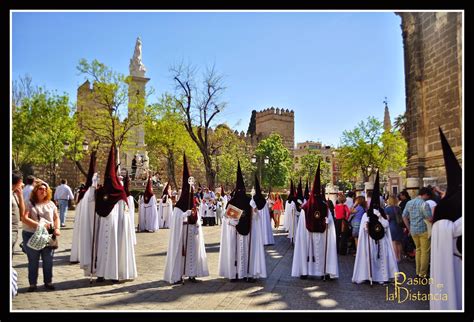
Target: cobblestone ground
(149, 292)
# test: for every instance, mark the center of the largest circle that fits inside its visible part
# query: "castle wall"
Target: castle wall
(279, 121)
(433, 81)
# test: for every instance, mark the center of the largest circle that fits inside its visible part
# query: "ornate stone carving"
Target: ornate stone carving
(136, 65)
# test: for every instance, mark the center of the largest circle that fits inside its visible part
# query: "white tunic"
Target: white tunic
(115, 251)
(86, 231)
(76, 233)
(308, 244)
(446, 265)
(266, 225)
(131, 215)
(290, 221)
(383, 268)
(165, 210)
(148, 219)
(196, 258)
(232, 244)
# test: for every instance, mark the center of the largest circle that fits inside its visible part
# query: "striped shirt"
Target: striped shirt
(417, 210)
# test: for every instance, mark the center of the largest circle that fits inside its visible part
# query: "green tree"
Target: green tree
(167, 137)
(107, 122)
(368, 148)
(227, 148)
(277, 171)
(51, 125)
(309, 164)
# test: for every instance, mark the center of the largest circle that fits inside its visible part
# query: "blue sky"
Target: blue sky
(333, 69)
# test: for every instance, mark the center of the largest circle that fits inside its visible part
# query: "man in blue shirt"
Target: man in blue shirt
(414, 215)
(62, 195)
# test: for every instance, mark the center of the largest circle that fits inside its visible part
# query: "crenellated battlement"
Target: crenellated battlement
(276, 111)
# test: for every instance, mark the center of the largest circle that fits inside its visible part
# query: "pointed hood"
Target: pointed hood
(165, 190)
(450, 207)
(126, 184)
(315, 208)
(111, 191)
(299, 196)
(185, 199)
(148, 191)
(291, 194)
(258, 197)
(242, 201)
(376, 230)
(90, 175)
(306, 190)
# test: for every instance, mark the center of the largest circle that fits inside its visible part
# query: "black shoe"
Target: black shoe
(100, 279)
(115, 281)
(193, 280)
(178, 282)
(32, 288)
(50, 286)
(250, 280)
(233, 280)
(304, 277)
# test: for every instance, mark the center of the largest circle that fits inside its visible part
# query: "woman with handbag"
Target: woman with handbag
(41, 208)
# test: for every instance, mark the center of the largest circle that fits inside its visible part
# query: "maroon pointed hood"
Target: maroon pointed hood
(185, 201)
(148, 191)
(165, 190)
(315, 208)
(111, 191)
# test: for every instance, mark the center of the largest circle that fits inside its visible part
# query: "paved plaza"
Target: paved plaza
(279, 291)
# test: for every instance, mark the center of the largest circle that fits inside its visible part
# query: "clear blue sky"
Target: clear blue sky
(332, 68)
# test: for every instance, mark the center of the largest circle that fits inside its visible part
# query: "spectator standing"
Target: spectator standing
(41, 207)
(342, 225)
(18, 205)
(394, 214)
(414, 214)
(62, 195)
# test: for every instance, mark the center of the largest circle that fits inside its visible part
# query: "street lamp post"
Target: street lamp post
(265, 160)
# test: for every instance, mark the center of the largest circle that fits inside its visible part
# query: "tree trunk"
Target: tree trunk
(210, 173)
(171, 169)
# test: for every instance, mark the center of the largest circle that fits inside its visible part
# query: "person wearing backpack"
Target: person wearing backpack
(394, 214)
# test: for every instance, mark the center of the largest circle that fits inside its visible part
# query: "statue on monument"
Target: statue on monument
(136, 66)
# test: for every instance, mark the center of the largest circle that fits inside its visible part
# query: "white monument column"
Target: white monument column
(136, 105)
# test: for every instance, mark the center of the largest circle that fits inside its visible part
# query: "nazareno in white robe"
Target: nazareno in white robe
(131, 215)
(148, 219)
(165, 209)
(76, 232)
(292, 217)
(196, 258)
(266, 225)
(227, 254)
(115, 248)
(308, 244)
(446, 265)
(383, 268)
(87, 235)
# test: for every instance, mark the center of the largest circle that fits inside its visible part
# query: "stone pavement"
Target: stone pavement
(279, 291)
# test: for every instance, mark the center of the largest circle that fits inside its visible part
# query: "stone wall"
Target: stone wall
(433, 80)
(276, 120)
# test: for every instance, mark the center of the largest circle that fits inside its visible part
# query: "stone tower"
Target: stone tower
(276, 120)
(433, 82)
(387, 125)
(136, 100)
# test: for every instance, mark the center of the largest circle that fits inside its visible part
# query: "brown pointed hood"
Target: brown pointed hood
(242, 201)
(450, 207)
(90, 175)
(258, 197)
(185, 200)
(111, 191)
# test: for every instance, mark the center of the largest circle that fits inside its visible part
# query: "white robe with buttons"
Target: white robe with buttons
(228, 250)
(383, 268)
(196, 258)
(308, 244)
(115, 248)
(86, 226)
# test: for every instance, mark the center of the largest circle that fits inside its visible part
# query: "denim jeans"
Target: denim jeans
(63, 205)
(33, 261)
